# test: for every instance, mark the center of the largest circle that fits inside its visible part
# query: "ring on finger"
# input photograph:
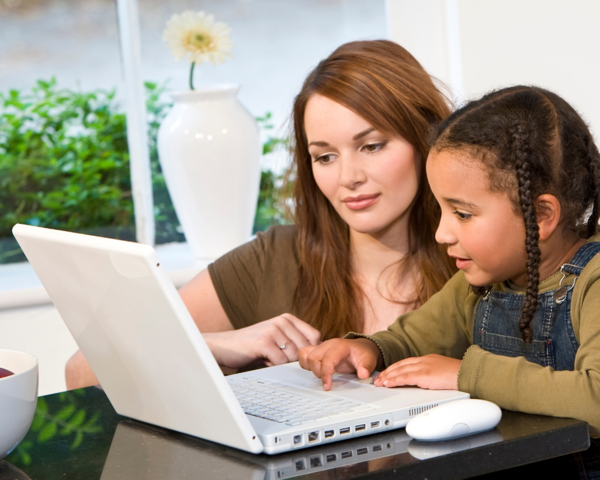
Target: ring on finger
(282, 347)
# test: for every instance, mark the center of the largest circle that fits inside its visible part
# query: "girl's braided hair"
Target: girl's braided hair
(532, 142)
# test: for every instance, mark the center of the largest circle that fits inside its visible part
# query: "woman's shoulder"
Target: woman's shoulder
(279, 235)
(279, 242)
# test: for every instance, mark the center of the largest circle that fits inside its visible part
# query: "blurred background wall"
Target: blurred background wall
(478, 45)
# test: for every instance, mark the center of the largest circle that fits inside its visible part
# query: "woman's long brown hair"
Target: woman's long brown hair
(384, 84)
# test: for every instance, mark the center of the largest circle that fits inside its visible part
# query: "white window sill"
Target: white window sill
(20, 286)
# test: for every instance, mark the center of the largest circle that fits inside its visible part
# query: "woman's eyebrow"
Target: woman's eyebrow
(363, 133)
(355, 137)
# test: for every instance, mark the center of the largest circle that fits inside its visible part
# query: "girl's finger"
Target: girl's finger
(406, 379)
(396, 370)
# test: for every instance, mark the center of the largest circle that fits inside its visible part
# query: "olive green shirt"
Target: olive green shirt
(257, 280)
(444, 325)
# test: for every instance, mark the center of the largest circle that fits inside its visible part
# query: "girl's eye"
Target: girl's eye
(374, 147)
(462, 215)
(325, 159)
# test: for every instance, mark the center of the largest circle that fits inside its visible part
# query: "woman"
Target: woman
(362, 250)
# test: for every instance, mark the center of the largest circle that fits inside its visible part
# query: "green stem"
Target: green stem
(192, 76)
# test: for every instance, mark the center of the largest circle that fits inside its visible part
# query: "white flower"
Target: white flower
(197, 36)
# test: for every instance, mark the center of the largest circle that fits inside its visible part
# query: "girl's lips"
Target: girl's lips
(361, 202)
(462, 263)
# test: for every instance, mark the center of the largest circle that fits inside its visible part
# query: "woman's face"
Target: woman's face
(370, 177)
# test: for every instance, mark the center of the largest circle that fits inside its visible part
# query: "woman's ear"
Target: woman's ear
(547, 208)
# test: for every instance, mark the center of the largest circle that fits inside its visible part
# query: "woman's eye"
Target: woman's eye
(374, 147)
(462, 215)
(327, 158)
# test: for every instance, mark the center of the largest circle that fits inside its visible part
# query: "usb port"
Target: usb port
(346, 454)
(375, 424)
(329, 433)
(313, 437)
(359, 428)
(344, 430)
(362, 451)
(332, 457)
(377, 448)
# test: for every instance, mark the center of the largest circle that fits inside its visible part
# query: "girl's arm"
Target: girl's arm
(441, 326)
(516, 384)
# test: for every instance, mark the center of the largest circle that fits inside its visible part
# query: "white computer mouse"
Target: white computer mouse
(454, 419)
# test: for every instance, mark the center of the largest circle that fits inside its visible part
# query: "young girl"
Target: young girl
(517, 176)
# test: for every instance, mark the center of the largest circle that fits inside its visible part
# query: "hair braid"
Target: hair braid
(521, 152)
(594, 159)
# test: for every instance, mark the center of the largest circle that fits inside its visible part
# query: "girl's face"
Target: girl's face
(370, 178)
(480, 227)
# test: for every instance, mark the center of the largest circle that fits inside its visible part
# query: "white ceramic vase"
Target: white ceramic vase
(209, 151)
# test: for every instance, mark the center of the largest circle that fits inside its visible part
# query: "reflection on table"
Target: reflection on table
(78, 435)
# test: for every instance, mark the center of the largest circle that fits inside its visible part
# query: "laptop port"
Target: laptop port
(313, 437)
(329, 433)
(344, 430)
(375, 424)
(316, 462)
(298, 439)
(332, 457)
(359, 428)
(387, 423)
(346, 454)
(300, 464)
(362, 451)
(377, 448)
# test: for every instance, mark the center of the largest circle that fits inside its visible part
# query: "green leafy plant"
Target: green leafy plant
(66, 417)
(64, 164)
(274, 187)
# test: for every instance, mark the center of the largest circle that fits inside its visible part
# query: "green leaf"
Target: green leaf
(47, 432)
(42, 406)
(38, 422)
(65, 413)
(77, 419)
(77, 441)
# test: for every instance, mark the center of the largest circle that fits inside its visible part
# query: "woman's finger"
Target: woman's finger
(272, 353)
(310, 333)
(290, 330)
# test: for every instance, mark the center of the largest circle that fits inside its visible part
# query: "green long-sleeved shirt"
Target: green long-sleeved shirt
(444, 325)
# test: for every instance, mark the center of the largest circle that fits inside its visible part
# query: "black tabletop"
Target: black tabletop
(78, 435)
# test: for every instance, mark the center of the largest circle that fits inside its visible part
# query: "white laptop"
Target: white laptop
(142, 344)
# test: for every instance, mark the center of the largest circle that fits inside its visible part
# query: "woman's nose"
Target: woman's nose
(351, 173)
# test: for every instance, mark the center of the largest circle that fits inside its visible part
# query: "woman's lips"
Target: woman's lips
(361, 202)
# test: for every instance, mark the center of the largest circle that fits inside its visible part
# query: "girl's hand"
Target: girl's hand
(340, 356)
(434, 372)
(262, 341)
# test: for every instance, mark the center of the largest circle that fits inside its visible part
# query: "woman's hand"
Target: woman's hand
(263, 341)
(434, 372)
(340, 356)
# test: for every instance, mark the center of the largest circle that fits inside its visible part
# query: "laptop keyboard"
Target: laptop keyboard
(290, 405)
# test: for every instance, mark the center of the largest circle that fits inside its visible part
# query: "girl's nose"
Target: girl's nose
(352, 174)
(444, 234)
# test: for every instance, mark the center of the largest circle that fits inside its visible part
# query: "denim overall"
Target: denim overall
(496, 330)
